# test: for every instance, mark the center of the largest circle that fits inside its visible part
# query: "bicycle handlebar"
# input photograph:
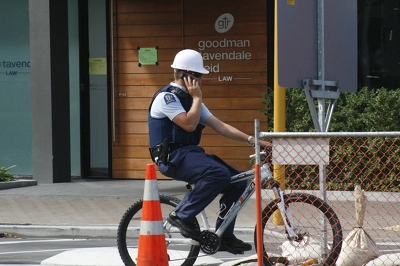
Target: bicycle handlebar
(263, 154)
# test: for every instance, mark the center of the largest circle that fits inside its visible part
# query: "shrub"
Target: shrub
(369, 162)
(5, 175)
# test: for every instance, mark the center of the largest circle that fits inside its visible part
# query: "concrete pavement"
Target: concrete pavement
(84, 208)
(87, 209)
(93, 209)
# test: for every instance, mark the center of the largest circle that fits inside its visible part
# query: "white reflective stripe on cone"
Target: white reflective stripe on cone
(151, 191)
(151, 228)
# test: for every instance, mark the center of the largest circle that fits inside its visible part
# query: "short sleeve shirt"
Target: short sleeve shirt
(167, 104)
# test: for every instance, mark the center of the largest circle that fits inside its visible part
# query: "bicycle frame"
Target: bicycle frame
(246, 195)
(265, 174)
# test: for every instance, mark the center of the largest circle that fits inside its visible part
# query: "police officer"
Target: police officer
(176, 119)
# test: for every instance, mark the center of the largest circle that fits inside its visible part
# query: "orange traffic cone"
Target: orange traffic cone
(152, 250)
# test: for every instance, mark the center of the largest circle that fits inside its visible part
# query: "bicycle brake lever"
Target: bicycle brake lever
(261, 153)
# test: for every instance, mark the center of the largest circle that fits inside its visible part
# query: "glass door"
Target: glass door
(95, 103)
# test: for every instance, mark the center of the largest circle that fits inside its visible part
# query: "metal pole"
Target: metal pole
(380, 134)
(257, 176)
(279, 116)
(321, 113)
(112, 70)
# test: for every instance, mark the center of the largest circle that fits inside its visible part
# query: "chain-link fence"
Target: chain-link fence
(358, 174)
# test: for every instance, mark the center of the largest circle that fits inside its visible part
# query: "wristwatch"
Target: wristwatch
(248, 141)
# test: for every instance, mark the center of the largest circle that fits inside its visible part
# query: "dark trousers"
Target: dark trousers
(212, 177)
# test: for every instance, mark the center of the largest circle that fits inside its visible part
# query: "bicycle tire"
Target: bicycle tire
(304, 208)
(129, 230)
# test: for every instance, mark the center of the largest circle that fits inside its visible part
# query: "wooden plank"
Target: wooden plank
(136, 174)
(141, 79)
(131, 55)
(176, 43)
(131, 140)
(204, 29)
(133, 152)
(253, 15)
(169, 30)
(209, 139)
(131, 115)
(233, 103)
(135, 127)
(127, 115)
(132, 6)
(130, 163)
(226, 40)
(132, 127)
(241, 165)
(137, 91)
(211, 103)
(132, 67)
(138, 166)
(253, 65)
(214, 91)
(146, 18)
(226, 5)
(238, 115)
(251, 78)
(167, 55)
(227, 152)
(247, 127)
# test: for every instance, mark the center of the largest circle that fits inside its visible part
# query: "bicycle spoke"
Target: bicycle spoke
(315, 239)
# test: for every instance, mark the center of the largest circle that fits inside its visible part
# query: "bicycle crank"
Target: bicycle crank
(209, 242)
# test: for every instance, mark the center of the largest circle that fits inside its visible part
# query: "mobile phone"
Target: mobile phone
(184, 75)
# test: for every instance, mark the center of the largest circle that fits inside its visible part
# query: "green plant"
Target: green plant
(5, 174)
(369, 162)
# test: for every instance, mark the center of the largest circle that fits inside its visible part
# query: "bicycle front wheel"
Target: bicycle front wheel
(180, 250)
(317, 226)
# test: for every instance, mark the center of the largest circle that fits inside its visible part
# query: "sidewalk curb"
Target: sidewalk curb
(50, 231)
(17, 183)
(96, 232)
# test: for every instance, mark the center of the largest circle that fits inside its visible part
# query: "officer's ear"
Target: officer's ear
(178, 73)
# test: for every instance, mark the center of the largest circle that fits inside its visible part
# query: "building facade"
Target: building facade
(76, 77)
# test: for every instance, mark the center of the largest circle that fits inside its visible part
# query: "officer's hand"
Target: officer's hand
(265, 144)
(193, 87)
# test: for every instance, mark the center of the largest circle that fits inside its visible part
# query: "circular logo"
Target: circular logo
(224, 23)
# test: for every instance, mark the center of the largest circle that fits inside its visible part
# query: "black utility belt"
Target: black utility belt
(162, 151)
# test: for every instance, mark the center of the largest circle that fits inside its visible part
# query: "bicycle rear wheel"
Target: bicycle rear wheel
(181, 251)
(308, 212)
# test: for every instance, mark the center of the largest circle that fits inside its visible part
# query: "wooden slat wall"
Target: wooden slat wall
(173, 25)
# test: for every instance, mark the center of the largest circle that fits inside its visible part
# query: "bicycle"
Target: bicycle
(298, 231)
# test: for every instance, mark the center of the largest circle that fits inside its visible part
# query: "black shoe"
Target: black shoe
(234, 246)
(187, 229)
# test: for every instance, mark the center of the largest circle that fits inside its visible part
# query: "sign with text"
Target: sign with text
(12, 68)
(233, 44)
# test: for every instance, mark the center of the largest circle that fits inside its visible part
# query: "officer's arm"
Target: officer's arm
(189, 120)
(225, 130)
(230, 132)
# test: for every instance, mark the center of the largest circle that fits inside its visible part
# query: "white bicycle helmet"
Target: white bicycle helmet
(190, 60)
